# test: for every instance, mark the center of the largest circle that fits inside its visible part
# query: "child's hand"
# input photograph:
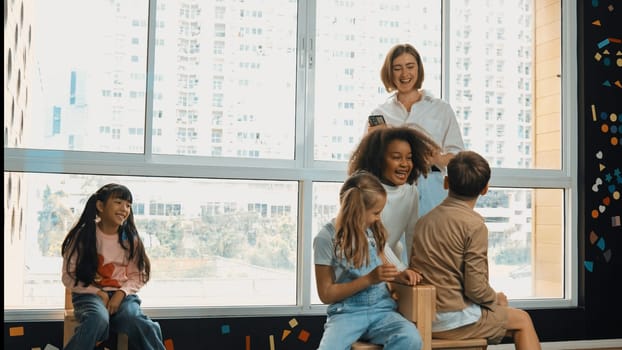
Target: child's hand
(115, 302)
(502, 299)
(104, 296)
(383, 273)
(409, 277)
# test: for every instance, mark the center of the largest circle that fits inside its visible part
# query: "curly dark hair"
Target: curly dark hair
(369, 155)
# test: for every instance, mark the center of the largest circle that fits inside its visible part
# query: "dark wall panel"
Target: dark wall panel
(601, 128)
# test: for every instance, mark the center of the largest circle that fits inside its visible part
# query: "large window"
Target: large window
(232, 122)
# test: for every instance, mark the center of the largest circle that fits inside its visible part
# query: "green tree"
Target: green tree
(55, 219)
(226, 235)
(168, 233)
(276, 242)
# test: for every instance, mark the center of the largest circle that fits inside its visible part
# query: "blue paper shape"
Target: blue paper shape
(601, 243)
(603, 43)
(224, 329)
(589, 265)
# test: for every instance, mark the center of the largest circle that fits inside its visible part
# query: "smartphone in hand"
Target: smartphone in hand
(376, 120)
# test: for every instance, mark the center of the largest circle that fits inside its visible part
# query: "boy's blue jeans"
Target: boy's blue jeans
(95, 322)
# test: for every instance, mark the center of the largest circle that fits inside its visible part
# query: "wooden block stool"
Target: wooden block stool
(359, 345)
(70, 323)
(415, 303)
(418, 304)
(466, 344)
(440, 344)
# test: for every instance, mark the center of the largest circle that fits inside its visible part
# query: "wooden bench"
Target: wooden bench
(418, 304)
(465, 344)
(70, 323)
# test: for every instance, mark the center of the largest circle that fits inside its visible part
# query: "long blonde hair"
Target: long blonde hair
(361, 191)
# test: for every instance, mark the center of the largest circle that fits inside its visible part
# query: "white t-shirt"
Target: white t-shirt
(431, 115)
(399, 217)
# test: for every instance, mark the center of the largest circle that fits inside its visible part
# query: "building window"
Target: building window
(216, 138)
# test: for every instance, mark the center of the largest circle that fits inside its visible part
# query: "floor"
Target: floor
(605, 344)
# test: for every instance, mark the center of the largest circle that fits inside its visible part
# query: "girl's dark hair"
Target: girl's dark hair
(360, 192)
(386, 72)
(369, 155)
(81, 240)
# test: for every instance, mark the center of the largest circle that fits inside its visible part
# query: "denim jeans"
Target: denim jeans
(370, 315)
(95, 323)
(431, 191)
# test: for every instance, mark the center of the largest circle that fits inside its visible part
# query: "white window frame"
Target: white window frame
(304, 169)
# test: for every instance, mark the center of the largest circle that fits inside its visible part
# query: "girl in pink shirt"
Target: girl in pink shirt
(105, 265)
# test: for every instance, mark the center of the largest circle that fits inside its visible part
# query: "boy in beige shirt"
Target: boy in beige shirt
(450, 250)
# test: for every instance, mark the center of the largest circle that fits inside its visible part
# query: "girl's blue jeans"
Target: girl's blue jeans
(95, 324)
(370, 315)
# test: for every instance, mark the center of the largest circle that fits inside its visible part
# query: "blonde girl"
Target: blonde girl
(351, 273)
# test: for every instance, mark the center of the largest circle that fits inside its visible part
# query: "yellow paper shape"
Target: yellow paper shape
(286, 332)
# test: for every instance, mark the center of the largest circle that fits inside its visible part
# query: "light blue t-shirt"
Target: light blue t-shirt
(324, 251)
(453, 319)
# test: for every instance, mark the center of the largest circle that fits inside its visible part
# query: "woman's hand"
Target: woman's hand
(375, 127)
(441, 159)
